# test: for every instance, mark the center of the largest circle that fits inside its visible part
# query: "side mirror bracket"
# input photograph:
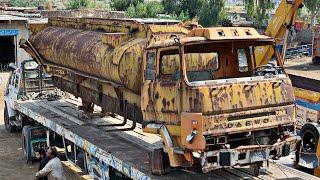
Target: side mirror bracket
(12, 67)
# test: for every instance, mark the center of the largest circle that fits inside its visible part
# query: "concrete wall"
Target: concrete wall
(23, 33)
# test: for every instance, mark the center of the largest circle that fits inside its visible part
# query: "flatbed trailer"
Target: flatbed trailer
(126, 152)
(305, 77)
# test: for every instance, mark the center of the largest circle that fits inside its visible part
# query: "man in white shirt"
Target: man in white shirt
(53, 169)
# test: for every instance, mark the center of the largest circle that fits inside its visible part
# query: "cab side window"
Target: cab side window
(151, 66)
(242, 60)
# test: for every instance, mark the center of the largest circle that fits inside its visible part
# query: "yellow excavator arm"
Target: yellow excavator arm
(278, 28)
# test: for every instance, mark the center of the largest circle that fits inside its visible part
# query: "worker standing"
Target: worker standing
(53, 169)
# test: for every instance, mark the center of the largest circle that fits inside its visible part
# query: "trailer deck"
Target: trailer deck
(128, 151)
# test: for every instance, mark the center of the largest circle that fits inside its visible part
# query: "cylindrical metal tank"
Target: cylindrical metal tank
(94, 53)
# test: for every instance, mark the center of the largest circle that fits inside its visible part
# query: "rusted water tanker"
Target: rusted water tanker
(200, 89)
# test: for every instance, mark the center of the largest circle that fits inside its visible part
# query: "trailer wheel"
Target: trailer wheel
(10, 128)
(310, 137)
(316, 60)
(26, 143)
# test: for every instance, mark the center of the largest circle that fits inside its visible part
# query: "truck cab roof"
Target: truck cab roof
(216, 34)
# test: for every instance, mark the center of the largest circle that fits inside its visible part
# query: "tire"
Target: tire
(310, 137)
(26, 143)
(316, 60)
(10, 128)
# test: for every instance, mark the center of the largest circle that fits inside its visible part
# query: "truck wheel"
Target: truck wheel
(10, 128)
(310, 137)
(26, 143)
(316, 60)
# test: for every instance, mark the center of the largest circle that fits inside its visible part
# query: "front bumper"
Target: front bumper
(244, 155)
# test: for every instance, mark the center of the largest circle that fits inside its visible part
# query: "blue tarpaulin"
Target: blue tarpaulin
(9, 32)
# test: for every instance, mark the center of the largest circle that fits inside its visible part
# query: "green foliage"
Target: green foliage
(249, 5)
(26, 3)
(208, 11)
(123, 5)
(262, 11)
(314, 8)
(144, 10)
(172, 7)
(211, 12)
(98, 5)
(77, 4)
(303, 13)
(193, 6)
(259, 10)
(183, 16)
(180, 7)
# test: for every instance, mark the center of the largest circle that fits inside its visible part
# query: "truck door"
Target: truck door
(12, 91)
(160, 89)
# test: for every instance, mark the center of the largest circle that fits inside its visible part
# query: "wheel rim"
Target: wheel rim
(309, 142)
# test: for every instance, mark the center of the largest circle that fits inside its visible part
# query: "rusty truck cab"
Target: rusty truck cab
(212, 104)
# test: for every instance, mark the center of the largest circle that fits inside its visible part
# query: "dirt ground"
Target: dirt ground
(303, 67)
(12, 166)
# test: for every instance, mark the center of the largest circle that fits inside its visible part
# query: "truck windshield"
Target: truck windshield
(212, 61)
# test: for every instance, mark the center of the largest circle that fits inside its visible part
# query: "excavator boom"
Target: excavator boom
(278, 28)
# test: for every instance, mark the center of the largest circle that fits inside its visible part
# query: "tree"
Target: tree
(26, 3)
(263, 8)
(249, 6)
(212, 12)
(77, 4)
(179, 8)
(172, 6)
(123, 5)
(259, 10)
(208, 11)
(144, 10)
(183, 16)
(314, 8)
(192, 6)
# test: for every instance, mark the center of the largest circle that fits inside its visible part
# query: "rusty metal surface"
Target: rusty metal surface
(316, 42)
(104, 62)
(104, 48)
(225, 33)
